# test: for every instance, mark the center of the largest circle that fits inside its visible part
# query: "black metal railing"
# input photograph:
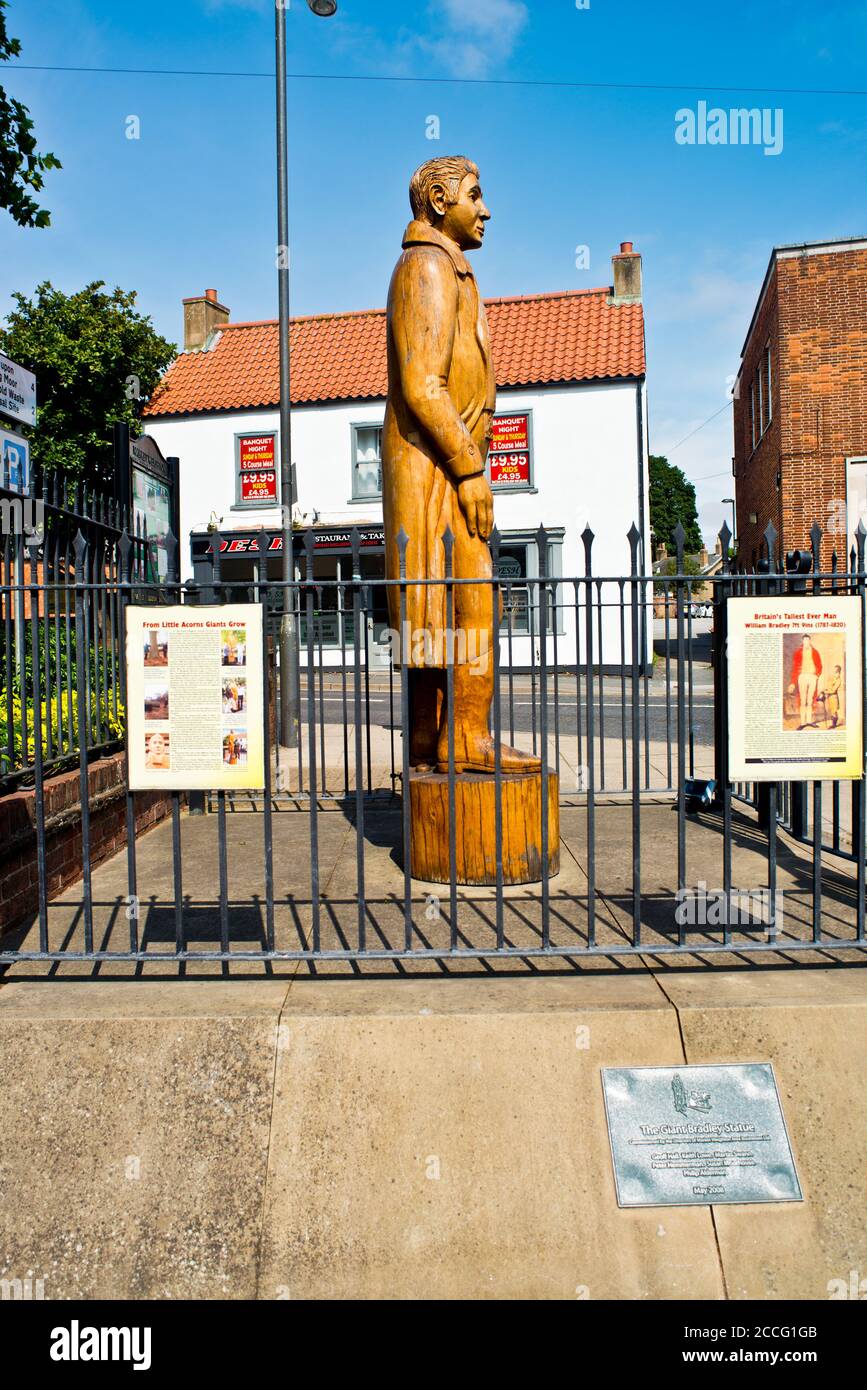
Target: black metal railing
(624, 698)
(38, 577)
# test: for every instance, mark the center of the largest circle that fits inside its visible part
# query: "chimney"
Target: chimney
(202, 314)
(703, 557)
(626, 268)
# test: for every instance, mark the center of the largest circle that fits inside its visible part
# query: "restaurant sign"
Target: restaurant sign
(511, 451)
(369, 538)
(257, 469)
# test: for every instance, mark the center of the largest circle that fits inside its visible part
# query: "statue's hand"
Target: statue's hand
(477, 504)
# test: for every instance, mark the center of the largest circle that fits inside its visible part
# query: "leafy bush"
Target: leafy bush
(61, 647)
(56, 715)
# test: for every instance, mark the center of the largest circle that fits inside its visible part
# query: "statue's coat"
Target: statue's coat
(441, 398)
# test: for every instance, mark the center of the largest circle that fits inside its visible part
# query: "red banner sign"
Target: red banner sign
(256, 465)
(509, 451)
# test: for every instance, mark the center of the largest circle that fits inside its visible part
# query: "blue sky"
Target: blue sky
(191, 203)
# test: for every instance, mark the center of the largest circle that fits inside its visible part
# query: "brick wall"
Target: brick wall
(757, 470)
(815, 313)
(19, 898)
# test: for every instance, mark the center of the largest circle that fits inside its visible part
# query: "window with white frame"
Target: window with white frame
(761, 408)
(366, 462)
(518, 562)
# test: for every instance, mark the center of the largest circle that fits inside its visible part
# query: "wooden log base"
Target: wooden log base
(475, 827)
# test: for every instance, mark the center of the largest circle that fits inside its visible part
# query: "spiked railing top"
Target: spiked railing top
(542, 547)
(216, 548)
(172, 557)
(262, 542)
(448, 546)
(355, 548)
(309, 550)
(633, 535)
(587, 537)
(124, 546)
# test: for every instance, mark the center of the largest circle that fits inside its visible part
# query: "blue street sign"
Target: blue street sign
(14, 461)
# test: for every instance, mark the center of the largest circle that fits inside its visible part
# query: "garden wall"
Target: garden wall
(19, 896)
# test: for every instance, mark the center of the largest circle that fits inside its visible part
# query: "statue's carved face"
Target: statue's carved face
(463, 221)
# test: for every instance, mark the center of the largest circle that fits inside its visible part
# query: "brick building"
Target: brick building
(800, 408)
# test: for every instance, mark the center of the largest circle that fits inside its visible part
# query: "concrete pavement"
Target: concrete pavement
(343, 913)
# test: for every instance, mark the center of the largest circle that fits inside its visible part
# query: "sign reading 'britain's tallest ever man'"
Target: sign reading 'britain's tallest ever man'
(441, 397)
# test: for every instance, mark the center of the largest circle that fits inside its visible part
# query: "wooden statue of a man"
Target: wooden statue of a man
(441, 397)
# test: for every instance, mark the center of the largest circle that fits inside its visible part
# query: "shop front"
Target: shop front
(333, 629)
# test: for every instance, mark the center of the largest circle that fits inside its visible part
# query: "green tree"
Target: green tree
(21, 166)
(672, 500)
(96, 360)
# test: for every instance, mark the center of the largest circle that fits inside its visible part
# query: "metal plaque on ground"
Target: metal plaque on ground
(694, 1136)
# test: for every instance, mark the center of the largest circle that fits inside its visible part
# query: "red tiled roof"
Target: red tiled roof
(543, 338)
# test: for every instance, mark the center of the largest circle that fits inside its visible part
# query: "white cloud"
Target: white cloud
(480, 35)
(844, 132)
(458, 40)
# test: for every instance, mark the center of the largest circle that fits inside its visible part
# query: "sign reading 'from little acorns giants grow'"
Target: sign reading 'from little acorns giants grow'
(195, 698)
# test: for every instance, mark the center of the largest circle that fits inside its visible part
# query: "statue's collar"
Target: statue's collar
(423, 234)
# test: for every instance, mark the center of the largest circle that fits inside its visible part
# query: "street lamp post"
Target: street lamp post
(289, 710)
(734, 518)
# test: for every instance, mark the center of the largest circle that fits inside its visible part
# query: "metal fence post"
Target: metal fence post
(720, 668)
(679, 540)
(83, 729)
(587, 538)
(858, 808)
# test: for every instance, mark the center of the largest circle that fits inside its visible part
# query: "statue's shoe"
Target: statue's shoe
(482, 758)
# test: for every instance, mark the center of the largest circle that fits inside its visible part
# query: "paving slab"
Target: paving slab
(812, 1026)
(135, 1121)
(446, 1139)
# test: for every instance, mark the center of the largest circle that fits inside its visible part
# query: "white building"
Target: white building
(570, 447)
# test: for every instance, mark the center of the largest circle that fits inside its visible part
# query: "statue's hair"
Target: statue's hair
(448, 171)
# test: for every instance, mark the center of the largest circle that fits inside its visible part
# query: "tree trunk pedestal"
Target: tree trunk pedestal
(475, 827)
